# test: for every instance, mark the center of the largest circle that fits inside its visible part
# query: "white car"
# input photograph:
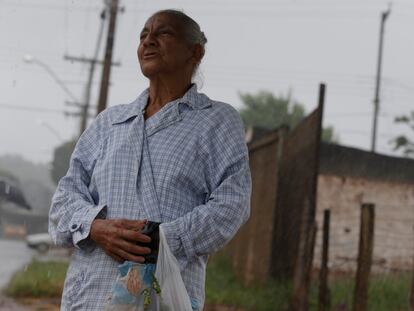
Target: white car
(40, 241)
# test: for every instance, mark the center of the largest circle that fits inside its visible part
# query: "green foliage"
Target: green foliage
(268, 111)
(38, 279)
(328, 135)
(61, 158)
(402, 142)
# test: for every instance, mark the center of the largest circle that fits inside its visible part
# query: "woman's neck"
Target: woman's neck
(162, 91)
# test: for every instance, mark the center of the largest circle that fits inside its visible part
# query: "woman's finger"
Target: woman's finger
(136, 225)
(133, 236)
(132, 248)
(127, 256)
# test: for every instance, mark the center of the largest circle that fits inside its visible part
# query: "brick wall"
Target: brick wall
(394, 221)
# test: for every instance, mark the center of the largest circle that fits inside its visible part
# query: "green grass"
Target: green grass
(38, 279)
(389, 292)
(222, 287)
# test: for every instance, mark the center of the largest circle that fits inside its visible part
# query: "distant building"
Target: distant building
(349, 177)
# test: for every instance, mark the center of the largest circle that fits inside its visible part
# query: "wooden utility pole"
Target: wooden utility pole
(366, 247)
(84, 106)
(106, 72)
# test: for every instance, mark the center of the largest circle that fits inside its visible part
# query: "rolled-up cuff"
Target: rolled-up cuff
(80, 226)
(178, 239)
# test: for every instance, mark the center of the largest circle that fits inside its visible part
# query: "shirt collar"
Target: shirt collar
(192, 98)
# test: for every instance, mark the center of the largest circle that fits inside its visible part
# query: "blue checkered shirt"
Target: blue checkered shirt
(186, 166)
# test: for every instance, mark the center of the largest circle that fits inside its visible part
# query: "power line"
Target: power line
(49, 6)
(30, 108)
(298, 12)
(86, 26)
(346, 115)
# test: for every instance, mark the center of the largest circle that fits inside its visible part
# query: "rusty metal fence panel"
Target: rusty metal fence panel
(284, 167)
(250, 250)
(296, 195)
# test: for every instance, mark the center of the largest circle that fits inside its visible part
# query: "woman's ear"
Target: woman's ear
(198, 53)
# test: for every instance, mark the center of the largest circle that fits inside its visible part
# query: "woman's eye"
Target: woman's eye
(165, 32)
(142, 36)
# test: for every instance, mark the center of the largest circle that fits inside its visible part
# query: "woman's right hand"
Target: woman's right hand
(118, 238)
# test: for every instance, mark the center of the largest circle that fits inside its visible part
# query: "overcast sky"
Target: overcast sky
(252, 45)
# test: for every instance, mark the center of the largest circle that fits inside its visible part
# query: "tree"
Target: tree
(268, 111)
(402, 142)
(61, 158)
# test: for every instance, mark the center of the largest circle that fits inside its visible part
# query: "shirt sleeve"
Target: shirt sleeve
(73, 206)
(210, 226)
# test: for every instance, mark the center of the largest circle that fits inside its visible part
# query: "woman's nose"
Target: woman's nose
(149, 39)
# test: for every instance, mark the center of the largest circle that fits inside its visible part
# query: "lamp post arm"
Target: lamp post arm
(56, 78)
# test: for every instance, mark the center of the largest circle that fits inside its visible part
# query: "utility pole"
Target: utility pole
(384, 16)
(106, 72)
(84, 106)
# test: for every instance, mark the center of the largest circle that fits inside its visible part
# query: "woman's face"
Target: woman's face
(162, 48)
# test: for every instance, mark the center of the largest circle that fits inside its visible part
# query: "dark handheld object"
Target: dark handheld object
(151, 229)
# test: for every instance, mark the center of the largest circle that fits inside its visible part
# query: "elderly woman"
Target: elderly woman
(172, 156)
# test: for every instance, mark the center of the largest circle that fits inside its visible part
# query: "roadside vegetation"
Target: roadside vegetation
(388, 292)
(38, 280)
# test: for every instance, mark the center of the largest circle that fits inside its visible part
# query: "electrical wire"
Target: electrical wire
(29, 108)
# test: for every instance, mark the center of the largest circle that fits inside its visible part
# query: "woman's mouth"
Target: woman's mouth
(148, 55)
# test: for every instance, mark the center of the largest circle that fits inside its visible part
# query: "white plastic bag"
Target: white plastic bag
(150, 287)
(174, 296)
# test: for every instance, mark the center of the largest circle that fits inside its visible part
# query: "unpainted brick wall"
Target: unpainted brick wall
(394, 221)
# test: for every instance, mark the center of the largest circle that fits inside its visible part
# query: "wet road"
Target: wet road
(14, 255)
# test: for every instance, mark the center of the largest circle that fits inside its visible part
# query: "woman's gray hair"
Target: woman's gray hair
(192, 30)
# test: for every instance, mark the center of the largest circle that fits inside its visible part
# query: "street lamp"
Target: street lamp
(27, 58)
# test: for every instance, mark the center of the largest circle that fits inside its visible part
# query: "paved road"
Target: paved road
(13, 256)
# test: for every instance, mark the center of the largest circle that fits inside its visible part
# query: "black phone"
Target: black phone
(151, 229)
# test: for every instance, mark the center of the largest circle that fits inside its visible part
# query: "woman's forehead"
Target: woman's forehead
(162, 19)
